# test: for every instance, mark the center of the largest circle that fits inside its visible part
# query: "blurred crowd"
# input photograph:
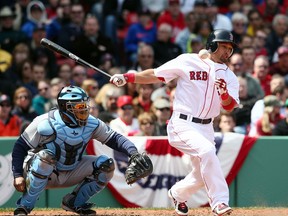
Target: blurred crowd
(123, 35)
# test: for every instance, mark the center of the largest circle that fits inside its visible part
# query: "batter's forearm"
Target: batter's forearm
(146, 77)
(228, 103)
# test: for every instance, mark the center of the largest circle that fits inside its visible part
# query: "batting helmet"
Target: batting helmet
(73, 104)
(219, 35)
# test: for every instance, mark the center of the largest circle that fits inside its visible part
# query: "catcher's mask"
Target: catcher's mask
(219, 35)
(73, 104)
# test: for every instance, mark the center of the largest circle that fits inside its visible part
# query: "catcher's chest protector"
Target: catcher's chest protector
(69, 143)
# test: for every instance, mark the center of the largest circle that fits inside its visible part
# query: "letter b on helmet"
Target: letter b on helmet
(219, 35)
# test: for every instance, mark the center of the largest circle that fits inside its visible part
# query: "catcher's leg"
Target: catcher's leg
(77, 200)
(40, 168)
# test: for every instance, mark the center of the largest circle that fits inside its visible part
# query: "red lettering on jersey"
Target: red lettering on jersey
(198, 75)
(204, 75)
(192, 75)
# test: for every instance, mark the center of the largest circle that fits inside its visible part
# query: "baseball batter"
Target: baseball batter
(55, 143)
(204, 85)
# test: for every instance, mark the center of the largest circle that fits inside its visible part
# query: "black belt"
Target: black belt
(195, 120)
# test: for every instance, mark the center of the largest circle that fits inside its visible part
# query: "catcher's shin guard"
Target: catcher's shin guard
(42, 165)
(103, 172)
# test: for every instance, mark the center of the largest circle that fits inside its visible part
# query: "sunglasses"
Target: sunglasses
(25, 97)
(164, 109)
(147, 123)
(127, 107)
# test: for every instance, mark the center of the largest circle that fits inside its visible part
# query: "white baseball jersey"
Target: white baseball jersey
(196, 93)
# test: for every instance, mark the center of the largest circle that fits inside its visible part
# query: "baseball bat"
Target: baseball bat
(56, 48)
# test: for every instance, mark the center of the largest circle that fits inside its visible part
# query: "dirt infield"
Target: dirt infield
(162, 212)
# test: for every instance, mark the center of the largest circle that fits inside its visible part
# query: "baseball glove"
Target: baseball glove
(139, 167)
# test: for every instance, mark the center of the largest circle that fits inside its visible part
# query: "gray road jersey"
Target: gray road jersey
(68, 144)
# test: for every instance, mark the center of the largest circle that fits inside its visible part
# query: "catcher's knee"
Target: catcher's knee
(103, 169)
(43, 163)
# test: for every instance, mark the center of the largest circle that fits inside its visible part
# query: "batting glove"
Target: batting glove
(118, 80)
(221, 86)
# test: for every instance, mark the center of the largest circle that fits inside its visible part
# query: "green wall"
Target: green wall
(262, 181)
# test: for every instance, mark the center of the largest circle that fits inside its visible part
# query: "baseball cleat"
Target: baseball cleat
(222, 209)
(180, 207)
(81, 210)
(21, 211)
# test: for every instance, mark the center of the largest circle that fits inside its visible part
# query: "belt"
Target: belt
(195, 120)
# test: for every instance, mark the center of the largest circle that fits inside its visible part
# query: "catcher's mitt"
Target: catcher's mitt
(139, 167)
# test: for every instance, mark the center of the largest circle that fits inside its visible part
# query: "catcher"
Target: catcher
(51, 152)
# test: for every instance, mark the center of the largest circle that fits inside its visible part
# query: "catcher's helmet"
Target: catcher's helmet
(219, 35)
(73, 104)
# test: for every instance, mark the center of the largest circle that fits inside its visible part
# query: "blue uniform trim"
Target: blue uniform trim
(120, 143)
(18, 154)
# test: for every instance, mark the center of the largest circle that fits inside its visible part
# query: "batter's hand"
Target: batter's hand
(221, 86)
(118, 80)
(20, 184)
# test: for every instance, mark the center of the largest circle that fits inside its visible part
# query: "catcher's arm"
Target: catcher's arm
(140, 166)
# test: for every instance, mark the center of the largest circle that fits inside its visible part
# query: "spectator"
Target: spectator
(203, 28)
(10, 125)
(42, 102)
(164, 49)
(142, 103)
(281, 66)
(276, 35)
(239, 24)
(146, 124)
(65, 73)
(246, 41)
(62, 18)
(23, 107)
(145, 58)
(173, 16)
(79, 74)
(94, 108)
(271, 116)
(9, 35)
(243, 112)
(259, 42)
(254, 88)
(25, 72)
(71, 30)
(91, 87)
(281, 128)
(56, 85)
(233, 7)
(162, 111)
(107, 99)
(41, 55)
(183, 36)
(194, 44)
(218, 20)
(227, 122)
(125, 123)
(277, 89)
(21, 52)
(38, 74)
(199, 9)
(36, 14)
(6, 60)
(255, 22)
(248, 55)
(261, 73)
(92, 44)
(143, 31)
